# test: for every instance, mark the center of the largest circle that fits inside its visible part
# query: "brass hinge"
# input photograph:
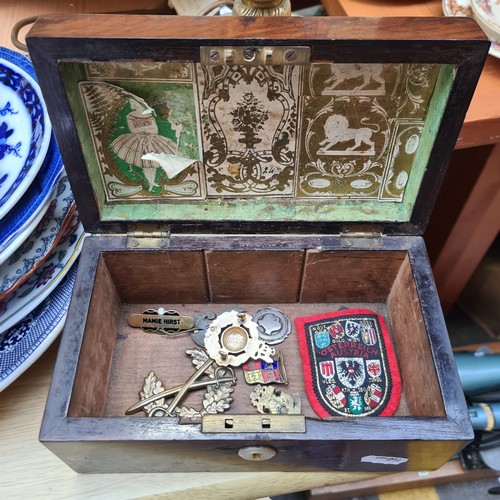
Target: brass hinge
(254, 56)
(148, 235)
(361, 235)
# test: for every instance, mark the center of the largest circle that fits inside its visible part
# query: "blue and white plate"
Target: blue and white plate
(40, 242)
(42, 282)
(25, 129)
(21, 220)
(24, 343)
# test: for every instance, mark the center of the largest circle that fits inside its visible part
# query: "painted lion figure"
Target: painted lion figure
(337, 130)
(343, 72)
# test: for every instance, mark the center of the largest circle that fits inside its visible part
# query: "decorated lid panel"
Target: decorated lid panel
(351, 138)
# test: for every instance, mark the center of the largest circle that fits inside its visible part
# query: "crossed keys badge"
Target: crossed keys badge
(230, 340)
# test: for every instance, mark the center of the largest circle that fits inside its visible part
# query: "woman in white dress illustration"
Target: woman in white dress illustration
(143, 139)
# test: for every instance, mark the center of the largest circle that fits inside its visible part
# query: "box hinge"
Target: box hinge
(147, 235)
(255, 56)
(361, 235)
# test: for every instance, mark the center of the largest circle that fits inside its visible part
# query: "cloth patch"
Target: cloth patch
(349, 364)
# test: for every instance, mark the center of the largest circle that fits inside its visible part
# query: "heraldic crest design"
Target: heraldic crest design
(350, 367)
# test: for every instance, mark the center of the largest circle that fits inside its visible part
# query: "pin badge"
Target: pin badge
(161, 321)
(261, 372)
(270, 400)
(201, 324)
(274, 325)
(219, 386)
(203, 321)
(233, 338)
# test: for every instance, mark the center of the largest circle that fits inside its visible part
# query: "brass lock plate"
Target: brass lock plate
(255, 56)
(254, 423)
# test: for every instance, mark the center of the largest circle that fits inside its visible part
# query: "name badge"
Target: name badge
(161, 321)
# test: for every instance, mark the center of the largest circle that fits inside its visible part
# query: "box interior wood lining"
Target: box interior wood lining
(115, 358)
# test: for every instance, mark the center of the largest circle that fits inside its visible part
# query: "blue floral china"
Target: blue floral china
(25, 131)
(22, 219)
(22, 344)
(37, 247)
(42, 282)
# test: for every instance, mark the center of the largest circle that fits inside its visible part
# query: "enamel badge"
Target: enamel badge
(349, 364)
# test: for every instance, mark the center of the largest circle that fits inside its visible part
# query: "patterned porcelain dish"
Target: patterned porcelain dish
(462, 8)
(40, 243)
(25, 342)
(25, 129)
(41, 284)
(22, 219)
(487, 15)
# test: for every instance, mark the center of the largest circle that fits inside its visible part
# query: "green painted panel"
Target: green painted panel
(432, 124)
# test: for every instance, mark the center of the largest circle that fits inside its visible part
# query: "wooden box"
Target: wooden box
(310, 152)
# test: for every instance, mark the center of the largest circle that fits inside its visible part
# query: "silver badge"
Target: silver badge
(274, 325)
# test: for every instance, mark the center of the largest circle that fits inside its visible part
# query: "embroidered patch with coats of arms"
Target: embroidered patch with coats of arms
(349, 364)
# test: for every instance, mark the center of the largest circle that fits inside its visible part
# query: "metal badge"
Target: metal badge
(274, 325)
(261, 372)
(270, 400)
(203, 321)
(233, 338)
(219, 387)
(161, 321)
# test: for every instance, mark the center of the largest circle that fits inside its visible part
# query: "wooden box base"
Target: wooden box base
(102, 361)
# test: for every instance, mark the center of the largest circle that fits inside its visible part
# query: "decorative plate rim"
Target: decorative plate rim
(34, 349)
(25, 307)
(42, 241)
(26, 175)
(486, 20)
(29, 210)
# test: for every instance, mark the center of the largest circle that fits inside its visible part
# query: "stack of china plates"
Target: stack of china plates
(40, 234)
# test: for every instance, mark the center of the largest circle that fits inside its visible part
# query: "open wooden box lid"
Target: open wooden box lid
(256, 124)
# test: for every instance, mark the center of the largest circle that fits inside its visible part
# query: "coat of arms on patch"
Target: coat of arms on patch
(350, 367)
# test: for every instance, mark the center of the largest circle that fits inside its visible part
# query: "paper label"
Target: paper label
(377, 459)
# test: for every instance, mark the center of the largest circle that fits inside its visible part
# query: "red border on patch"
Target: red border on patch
(395, 396)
